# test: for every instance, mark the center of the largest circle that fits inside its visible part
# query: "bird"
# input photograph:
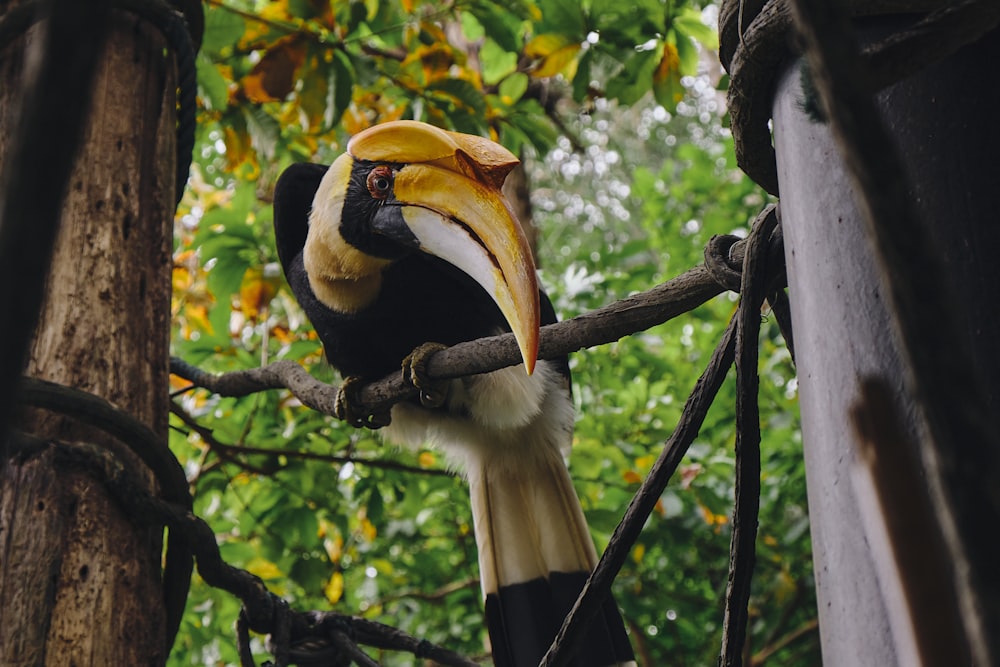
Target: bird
(406, 244)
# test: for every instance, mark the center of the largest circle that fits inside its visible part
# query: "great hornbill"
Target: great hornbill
(407, 240)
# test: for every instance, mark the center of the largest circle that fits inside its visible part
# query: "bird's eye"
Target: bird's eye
(380, 181)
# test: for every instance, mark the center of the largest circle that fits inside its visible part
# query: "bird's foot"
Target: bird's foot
(347, 406)
(432, 392)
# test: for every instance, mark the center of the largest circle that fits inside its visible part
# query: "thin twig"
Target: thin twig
(429, 596)
(229, 452)
(798, 633)
(378, 635)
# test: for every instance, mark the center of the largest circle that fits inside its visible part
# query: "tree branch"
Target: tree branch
(598, 327)
(430, 596)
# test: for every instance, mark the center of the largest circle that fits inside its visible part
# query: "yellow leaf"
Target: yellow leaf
(712, 518)
(182, 279)
(368, 529)
(354, 120)
(556, 53)
(238, 147)
(632, 477)
(197, 315)
(660, 508)
(276, 10)
(256, 292)
(670, 64)
(334, 588)
(383, 566)
(786, 587)
(638, 551)
(282, 334)
(645, 462)
(542, 46)
(264, 569)
(435, 59)
(334, 548)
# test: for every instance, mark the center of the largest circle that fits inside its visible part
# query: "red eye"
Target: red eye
(380, 181)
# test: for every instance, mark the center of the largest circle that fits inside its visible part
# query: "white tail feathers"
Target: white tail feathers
(528, 522)
(508, 432)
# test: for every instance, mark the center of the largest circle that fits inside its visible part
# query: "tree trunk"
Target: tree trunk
(80, 583)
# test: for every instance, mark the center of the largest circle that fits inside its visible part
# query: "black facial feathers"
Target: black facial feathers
(372, 219)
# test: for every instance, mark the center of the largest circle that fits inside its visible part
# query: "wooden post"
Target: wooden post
(79, 582)
(941, 123)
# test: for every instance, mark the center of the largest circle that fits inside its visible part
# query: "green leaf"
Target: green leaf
(462, 92)
(223, 28)
(530, 120)
(264, 132)
(376, 506)
(687, 53)
(514, 87)
(304, 9)
(564, 17)
(471, 27)
(341, 87)
(497, 62)
(689, 23)
(236, 551)
(213, 86)
(623, 25)
(316, 94)
(502, 26)
(635, 79)
(582, 79)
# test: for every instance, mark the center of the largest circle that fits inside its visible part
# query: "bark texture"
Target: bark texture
(80, 584)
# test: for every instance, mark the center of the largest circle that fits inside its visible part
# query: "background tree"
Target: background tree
(88, 187)
(616, 110)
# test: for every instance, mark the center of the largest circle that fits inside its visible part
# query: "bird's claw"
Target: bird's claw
(346, 406)
(432, 392)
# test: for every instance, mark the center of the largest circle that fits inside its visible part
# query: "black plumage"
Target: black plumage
(423, 299)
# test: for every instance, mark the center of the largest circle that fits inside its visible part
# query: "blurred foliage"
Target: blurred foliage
(614, 107)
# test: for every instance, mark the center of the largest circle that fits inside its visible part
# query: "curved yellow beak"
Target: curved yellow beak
(448, 191)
